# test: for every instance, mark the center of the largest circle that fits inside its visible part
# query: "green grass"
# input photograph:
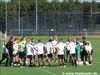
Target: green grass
(55, 69)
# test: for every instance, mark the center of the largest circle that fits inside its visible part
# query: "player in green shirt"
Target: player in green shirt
(21, 48)
(78, 50)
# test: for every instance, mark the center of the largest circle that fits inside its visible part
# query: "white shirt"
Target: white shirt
(67, 43)
(88, 47)
(15, 46)
(40, 48)
(60, 48)
(54, 43)
(81, 43)
(29, 49)
(48, 47)
(72, 46)
(35, 52)
(4, 50)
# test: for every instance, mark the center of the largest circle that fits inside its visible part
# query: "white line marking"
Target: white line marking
(46, 71)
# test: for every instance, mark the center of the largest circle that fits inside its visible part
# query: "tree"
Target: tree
(43, 5)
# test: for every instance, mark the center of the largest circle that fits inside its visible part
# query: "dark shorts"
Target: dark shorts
(50, 55)
(5, 55)
(14, 55)
(21, 54)
(40, 56)
(68, 52)
(91, 53)
(60, 56)
(73, 55)
(29, 56)
(33, 56)
(85, 52)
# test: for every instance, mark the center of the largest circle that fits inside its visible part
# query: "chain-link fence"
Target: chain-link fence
(62, 22)
(54, 22)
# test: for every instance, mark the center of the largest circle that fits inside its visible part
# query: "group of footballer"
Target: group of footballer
(26, 51)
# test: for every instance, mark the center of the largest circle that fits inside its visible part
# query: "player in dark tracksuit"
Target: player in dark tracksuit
(10, 49)
(84, 52)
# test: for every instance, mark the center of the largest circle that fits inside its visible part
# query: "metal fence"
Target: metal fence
(60, 22)
(56, 23)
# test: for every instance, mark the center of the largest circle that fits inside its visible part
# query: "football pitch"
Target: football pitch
(55, 69)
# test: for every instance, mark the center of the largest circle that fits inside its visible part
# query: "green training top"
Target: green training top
(21, 46)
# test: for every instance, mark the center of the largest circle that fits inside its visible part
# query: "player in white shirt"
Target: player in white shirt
(40, 51)
(54, 43)
(33, 43)
(60, 51)
(89, 50)
(72, 46)
(15, 52)
(48, 48)
(29, 52)
(68, 49)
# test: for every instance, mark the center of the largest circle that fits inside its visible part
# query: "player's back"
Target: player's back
(48, 47)
(67, 43)
(29, 49)
(72, 46)
(60, 46)
(54, 42)
(40, 48)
